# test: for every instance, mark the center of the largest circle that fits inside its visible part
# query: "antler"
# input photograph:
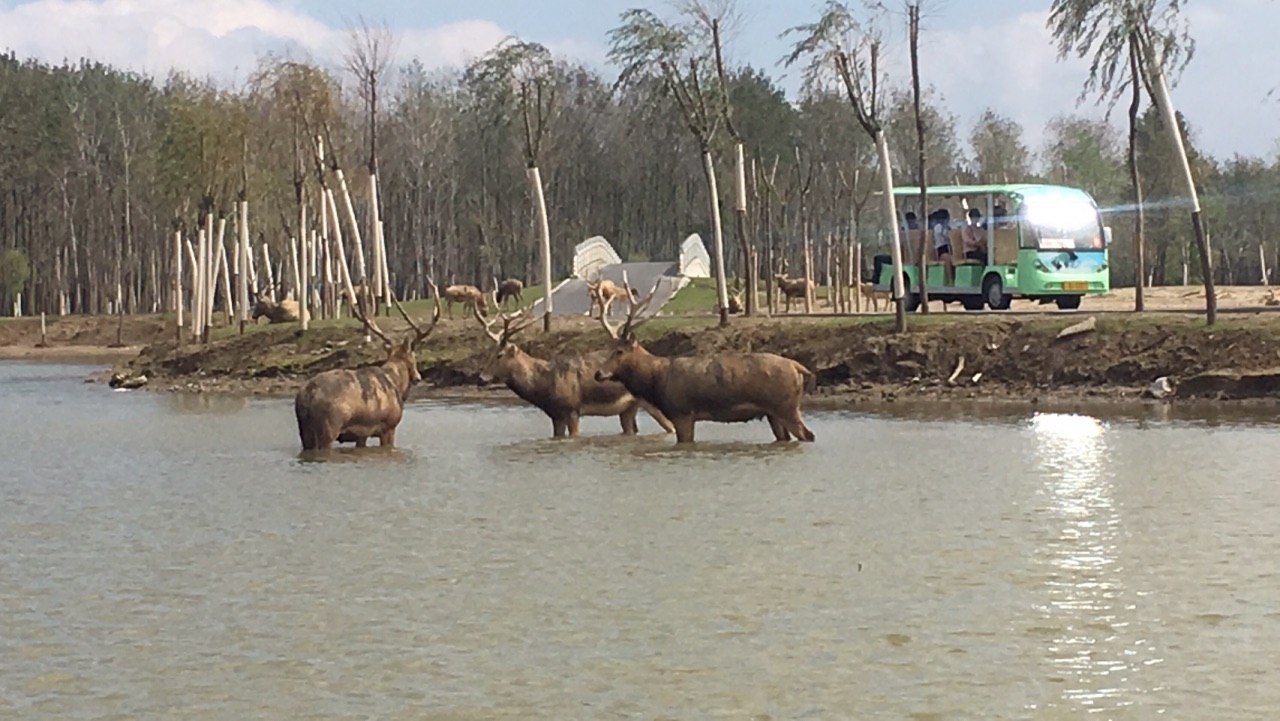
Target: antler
(503, 337)
(633, 312)
(420, 334)
(365, 320)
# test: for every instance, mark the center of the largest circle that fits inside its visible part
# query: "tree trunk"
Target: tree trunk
(242, 254)
(1139, 251)
(177, 280)
(722, 290)
(891, 213)
(913, 15)
(358, 243)
(740, 211)
(1161, 89)
(544, 233)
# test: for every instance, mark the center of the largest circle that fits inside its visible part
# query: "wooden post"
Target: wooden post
(214, 245)
(44, 333)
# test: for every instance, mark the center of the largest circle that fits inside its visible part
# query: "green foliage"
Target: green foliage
(15, 271)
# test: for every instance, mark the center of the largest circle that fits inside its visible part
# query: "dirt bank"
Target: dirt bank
(854, 359)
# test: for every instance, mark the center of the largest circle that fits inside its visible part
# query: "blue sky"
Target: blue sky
(977, 53)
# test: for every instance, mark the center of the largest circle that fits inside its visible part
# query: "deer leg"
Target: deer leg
(573, 424)
(779, 429)
(795, 424)
(628, 418)
(558, 427)
(362, 441)
(684, 429)
(658, 417)
(388, 438)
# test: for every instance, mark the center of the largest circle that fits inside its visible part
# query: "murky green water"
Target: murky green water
(170, 557)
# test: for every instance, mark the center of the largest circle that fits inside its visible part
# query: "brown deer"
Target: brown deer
(565, 387)
(603, 292)
(509, 289)
(286, 311)
(468, 295)
(345, 405)
(792, 288)
(725, 387)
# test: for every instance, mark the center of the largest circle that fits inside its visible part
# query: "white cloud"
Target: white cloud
(219, 38)
(1014, 68)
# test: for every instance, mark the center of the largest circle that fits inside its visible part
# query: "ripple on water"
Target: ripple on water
(187, 561)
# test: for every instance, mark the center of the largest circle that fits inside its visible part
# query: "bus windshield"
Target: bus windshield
(1063, 221)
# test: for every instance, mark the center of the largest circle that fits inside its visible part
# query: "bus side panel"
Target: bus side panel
(1063, 272)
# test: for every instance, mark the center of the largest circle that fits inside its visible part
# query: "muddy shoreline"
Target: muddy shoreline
(856, 361)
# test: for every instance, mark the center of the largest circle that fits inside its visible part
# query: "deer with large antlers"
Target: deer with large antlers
(724, 388)
(342, 406)
(565, 387)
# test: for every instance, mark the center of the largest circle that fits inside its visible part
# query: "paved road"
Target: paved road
(571, 298)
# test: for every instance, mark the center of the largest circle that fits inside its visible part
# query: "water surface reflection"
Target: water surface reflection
(184, 561)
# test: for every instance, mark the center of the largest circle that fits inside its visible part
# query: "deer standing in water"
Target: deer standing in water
(345, 405)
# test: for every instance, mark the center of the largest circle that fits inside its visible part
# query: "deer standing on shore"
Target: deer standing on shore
(286, 311)
(344, 405)
(509, 289)
(725, 387)
(565, 387)
(603, 292)
(468, 295)
(792, 288)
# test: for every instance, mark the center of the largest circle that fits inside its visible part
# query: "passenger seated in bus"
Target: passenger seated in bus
(940, 225)
(1000, 217)
(974, 234)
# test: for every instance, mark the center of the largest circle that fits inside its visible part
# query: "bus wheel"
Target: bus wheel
(993, 293)
(1068, 302)
(972, 302)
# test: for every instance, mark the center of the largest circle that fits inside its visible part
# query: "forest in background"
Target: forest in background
(99, 167)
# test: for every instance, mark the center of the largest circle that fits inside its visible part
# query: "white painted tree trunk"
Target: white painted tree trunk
(177, 279)
(215, 242)
(243, 261)
(717, 233)
(544, 230)
(356, 241)
(271, 277)
(1160, 88)
(228, 300)
(891, 216)
(198, 314)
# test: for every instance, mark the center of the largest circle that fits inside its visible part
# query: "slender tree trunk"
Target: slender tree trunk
(1139, 245)
(913, 15)
(177, 280)
(740, 213)
(1161, 90)
(242, 254)
(722, 289)
(891, 213)
(544, 233)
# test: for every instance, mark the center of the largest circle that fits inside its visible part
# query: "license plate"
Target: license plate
(1075, 286)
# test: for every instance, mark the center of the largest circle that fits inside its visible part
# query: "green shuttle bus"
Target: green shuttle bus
(1039, 242)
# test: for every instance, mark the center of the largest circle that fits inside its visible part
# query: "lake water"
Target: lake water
(171, 557)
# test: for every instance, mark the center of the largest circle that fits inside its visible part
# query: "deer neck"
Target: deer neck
(528, 371)
(399, 369)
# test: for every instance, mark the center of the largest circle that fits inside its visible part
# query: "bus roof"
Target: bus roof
(1005, 188)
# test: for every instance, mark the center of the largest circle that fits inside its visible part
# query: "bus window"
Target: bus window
(1062, 221)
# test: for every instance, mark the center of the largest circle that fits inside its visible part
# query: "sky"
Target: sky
(975, 53)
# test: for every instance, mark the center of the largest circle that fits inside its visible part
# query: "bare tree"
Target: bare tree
(650, 49)
(838, 44)
(368, 56)
(1150, 39)
(523, 72)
